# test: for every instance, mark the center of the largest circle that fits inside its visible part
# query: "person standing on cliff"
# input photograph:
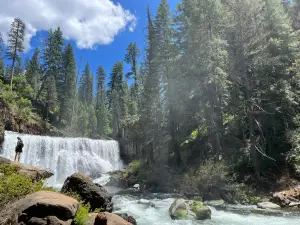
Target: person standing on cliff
(18, 149)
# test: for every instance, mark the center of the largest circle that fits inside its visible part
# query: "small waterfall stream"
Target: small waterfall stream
(64, 156)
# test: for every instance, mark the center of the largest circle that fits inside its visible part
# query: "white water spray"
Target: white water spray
(64, 156)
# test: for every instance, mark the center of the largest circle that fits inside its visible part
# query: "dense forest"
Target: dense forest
(219, 83)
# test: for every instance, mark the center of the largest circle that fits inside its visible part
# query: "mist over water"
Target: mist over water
(64, 156)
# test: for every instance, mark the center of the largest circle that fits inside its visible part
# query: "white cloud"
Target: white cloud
(87, 22)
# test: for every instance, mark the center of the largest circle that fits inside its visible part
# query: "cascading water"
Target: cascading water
(64, 156)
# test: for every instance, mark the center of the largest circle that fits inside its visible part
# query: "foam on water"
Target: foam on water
(64, 156)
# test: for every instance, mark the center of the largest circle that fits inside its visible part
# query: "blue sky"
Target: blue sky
(105, 54)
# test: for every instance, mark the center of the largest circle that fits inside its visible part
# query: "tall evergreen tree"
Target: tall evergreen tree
(15, 44)
(101, 107)
(67, 80)
(131, 58)
(117, 101)
(151, 115)
(86, 86)
(52, 60)
(33, 71)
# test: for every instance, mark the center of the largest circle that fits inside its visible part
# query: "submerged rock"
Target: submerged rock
(267, 205)
(91, 193)
(40, 208)
(182, 209)
(106, 218)
(33, 172)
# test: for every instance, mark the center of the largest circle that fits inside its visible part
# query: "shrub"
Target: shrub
(210, 174)
(82, 215)
(14, 186)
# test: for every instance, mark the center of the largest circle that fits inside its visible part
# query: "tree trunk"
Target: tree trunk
(12, 74)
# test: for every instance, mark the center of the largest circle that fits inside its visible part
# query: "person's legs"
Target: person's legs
(16, 156)
(19, 156)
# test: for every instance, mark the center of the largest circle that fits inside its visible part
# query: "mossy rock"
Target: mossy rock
(201, 211)
(189, 210)
(179, 210)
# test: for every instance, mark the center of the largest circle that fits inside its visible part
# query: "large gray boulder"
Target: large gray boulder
(40, 207)
(189, 209)
(91, 193)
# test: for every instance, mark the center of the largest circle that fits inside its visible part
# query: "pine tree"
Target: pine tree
(101, 107)
(67, 84)
(151, 115)
(33, 71)
(86, 86)
(52, 60)
(164, 57)
(51, 92)
(117, 101)
(131, 58)
(15, 44)
(92, 127)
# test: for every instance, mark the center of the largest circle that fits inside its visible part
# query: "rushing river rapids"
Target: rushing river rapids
(159, 214)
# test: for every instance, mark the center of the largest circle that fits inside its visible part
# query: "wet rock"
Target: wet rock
(33, 172)
(39, 207)
(218, 204)
(182, 209)
(267, 205)
(106, 218)
(128, 218)
(91, 193)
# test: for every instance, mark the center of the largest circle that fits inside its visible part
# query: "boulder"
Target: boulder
(32, 172)
(128, 218)
(91, 193)
(91, 219)
(39, 208)
(267, 205)
(287, 198)
(189, 209)
(106, 218)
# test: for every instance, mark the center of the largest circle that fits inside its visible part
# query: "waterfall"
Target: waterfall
(64, 156)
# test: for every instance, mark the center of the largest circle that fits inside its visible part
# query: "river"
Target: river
(159, 215)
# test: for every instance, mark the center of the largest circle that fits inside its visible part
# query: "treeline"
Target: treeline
(68, 96)
(219, 79)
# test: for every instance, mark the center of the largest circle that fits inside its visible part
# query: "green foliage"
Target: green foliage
(210, 173)
(82, 214)
(14, 186)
